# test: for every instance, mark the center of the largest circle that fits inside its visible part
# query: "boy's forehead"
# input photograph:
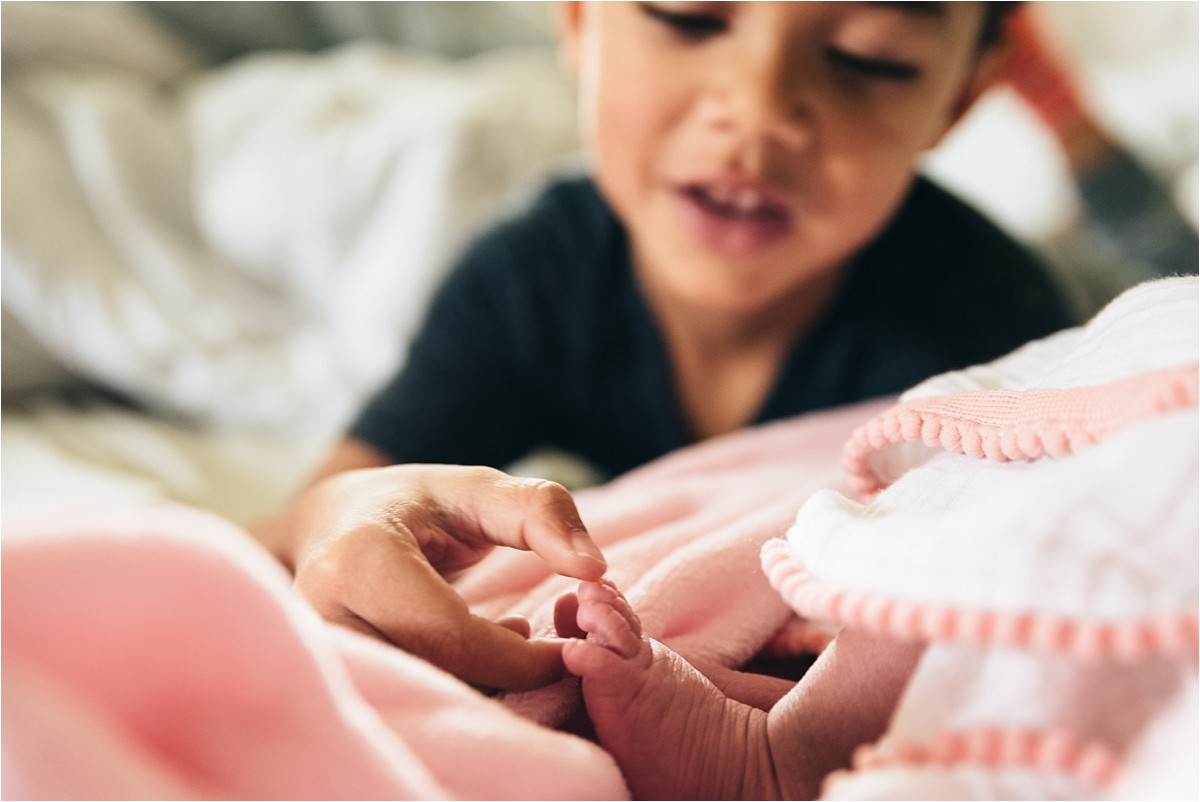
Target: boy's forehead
(934, 13)
(949, 18)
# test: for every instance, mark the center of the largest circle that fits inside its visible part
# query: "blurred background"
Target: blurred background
(222, 220)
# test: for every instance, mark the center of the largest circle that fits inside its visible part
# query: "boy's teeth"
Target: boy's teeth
(747, 200)
(740, 200)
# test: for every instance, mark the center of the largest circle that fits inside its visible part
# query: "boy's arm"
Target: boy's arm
(373, 547)
(348, 454)
(374, 539)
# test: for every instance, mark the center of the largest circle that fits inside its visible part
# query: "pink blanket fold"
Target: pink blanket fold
(157, 652)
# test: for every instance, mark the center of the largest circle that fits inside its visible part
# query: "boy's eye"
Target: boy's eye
(876, 68)
(688, 24)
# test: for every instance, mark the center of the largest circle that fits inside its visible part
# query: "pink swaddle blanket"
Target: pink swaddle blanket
(157, 652)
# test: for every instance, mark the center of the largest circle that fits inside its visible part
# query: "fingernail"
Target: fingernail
(585, 547)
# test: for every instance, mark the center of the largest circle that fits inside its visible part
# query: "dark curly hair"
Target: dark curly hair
(995, 17)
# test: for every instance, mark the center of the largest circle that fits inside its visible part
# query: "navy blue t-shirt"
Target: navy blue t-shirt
(540, 336)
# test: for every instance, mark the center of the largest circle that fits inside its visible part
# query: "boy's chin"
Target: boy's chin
(727, 300)
(768, 302)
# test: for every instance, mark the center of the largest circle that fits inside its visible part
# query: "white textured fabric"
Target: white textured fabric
(253, 244)
(1080, 536)
(1097, 533)
(1106, 536)
(1149, 327)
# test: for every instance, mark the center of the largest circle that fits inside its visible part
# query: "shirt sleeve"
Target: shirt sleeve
(465, 393)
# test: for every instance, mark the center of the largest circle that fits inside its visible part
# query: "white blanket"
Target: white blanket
(1034, 520)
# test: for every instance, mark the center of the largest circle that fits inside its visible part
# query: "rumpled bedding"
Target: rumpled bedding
(155, 650)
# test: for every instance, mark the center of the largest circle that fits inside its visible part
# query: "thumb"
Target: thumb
(494, 656)
(399, 597)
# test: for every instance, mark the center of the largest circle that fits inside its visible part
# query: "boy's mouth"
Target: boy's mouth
(737, 219)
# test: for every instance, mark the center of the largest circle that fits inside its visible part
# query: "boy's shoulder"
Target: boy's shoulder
(950, 282)
(934, 220)
(565, 239)
(567, 221)
(555, 267)
(939, 246)
(568, 213)
(573, 198)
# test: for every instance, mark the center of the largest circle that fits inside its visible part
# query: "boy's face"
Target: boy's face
(751, 148)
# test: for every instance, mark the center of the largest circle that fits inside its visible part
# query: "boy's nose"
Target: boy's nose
(763, 97)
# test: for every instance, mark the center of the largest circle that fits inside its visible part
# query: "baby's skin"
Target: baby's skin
(676, 735)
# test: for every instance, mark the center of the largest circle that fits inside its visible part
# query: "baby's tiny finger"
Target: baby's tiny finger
(566, 608)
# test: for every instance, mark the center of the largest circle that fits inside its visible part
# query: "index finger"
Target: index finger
(531, 514)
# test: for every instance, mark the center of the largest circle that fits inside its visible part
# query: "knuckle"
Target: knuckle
(543, 493)
(331, 574)
(546, 503)
(400, 516)
(444, 646)
(484, 474)
(321, 577)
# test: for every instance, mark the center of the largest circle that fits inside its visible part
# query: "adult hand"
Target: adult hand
(374, 549)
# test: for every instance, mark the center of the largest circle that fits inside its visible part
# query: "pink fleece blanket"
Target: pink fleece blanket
(157, 652)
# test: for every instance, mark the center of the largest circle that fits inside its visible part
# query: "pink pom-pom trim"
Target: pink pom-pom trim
(1094, 763)
(1005, 425)
(1129, 640)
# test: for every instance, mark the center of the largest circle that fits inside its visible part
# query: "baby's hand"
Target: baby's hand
(373, 549)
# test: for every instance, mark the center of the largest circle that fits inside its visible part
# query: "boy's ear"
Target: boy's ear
(570, 26)
(989, 69)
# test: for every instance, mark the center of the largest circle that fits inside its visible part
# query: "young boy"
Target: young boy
(752, 243)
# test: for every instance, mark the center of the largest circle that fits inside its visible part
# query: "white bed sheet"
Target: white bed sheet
(59, 456)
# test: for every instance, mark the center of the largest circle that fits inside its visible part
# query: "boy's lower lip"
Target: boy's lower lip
(723, 230)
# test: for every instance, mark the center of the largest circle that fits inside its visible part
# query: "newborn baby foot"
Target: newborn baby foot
(674, 734)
